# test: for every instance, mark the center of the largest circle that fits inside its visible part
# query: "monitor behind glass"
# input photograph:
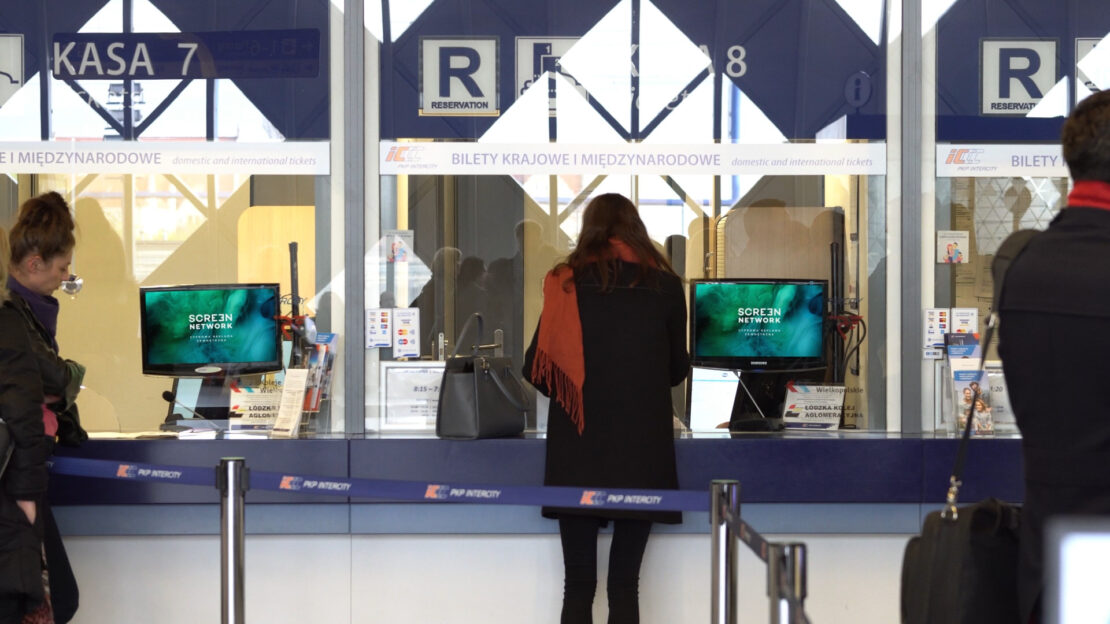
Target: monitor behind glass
(754, 325)
(210, 329)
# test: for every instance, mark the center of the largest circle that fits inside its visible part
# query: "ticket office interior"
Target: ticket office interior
(245, 240)
(491, 239)
(226, 227)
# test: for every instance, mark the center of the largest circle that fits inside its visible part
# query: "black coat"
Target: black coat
(634, 343)
(60, 377)
(1055, 345)
(25, 477)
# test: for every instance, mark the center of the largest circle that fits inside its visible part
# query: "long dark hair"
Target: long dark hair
(607, 216)
(44, 227)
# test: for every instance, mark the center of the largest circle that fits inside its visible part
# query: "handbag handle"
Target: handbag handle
(462, 332)
(1007, 253)
(520, 405)
(952, 498)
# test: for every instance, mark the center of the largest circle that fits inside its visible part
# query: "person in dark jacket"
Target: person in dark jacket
(610, 344)
(23, 475)
(1054, 340)
(42, 245)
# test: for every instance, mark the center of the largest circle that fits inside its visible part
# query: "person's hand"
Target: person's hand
(29, 510)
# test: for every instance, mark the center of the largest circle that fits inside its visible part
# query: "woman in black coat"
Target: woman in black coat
(23, 478)
(611, 343)
(42, 245)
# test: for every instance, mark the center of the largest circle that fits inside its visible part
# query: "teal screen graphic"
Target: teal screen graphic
(220, 325)
(758, 320)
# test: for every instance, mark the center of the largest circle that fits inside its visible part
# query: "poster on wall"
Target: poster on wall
(952, 246)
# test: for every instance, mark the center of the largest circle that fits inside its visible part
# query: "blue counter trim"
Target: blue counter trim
(108, 520)
(418, 519)
(864, 484)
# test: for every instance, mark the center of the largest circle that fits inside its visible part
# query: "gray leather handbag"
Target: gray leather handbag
(479, 397)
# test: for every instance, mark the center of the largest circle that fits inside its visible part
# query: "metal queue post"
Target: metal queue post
(786, 563)
(232, 480)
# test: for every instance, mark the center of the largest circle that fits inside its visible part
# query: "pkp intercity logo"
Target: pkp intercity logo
(437, 491)
(592, 497)
(964, 156)
(127, 471)
(404, 153)
(289, 482)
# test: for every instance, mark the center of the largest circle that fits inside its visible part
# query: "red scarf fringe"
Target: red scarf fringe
(559, 362)
(563, 388)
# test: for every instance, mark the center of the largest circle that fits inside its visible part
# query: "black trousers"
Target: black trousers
(63, 584)
(579, 537)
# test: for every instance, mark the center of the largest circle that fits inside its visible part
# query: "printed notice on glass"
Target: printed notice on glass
(937, 324)
(379, 328)
(406, 332)
(288, 422)
(813, 407)
(965, 321)
(411, 394)
(256, 408)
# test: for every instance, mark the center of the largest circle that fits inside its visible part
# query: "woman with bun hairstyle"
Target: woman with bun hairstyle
(42, 245)
(610, 344)
(23, 476)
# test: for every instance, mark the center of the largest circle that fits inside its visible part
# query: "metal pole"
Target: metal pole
(231, 478)
(786, 582)
(724, 501)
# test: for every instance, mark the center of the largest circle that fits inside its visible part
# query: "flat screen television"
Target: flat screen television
(210, 330)
(758, 324)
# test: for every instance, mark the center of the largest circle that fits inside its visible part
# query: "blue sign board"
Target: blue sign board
(291, 53)
(804, 63)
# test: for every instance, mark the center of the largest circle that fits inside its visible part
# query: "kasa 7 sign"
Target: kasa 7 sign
(293, 53)
(459, 77)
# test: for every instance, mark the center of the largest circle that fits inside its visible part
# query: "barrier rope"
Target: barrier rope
(756, 542)
(439, 491)
(393, 490)
(760, 547)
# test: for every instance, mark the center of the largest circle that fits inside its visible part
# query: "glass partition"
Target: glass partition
(1001, 83)
(752, 139)
(180, 169)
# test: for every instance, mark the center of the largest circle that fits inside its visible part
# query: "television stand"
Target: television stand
(214, 400)
(760, 395)
(747, 420)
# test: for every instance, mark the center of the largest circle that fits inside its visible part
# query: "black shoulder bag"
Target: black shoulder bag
(479, 396)
(963, 567)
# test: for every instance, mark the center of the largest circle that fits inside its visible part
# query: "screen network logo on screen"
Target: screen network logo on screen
(208, 326)
(759, 319)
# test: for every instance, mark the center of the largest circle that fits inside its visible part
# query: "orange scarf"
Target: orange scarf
(559, 362)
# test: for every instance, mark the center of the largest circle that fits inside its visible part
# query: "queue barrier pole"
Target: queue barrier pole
(786, 574)
(232, 480)
(724, 497)
(786, 582)
(786, 562)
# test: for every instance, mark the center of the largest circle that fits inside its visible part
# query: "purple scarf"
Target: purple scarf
(44, 307)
